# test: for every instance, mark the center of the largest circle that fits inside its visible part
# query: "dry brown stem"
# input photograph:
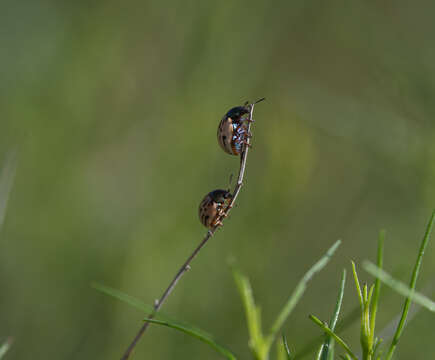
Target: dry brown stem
(186, 266)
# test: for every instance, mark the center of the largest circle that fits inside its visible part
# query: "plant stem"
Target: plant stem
(186, 266)
(334, 336)
(415, 273)
(374, 303)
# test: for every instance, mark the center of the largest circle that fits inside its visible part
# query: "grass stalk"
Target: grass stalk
(328, 331)
(412, 284)
(186, 266)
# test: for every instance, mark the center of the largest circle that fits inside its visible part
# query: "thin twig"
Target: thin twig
(186, 266)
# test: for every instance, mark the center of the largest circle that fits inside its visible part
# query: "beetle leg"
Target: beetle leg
(241, 130)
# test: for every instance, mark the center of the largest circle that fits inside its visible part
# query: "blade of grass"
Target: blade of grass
(377, 291)
(4, 348)
(6, 180)
(337, 309)
(327, 347)
(376, 346)
(128, 299)
(389, 329)
(196, 333)
(328, 331)
(281, 353)
(399, 286)
(358, 287)
(117, 294)
(345, 357)
(299, 291)
(342, 325)
(411, 286)
(186, 328)
(287, 350)
(253, 315)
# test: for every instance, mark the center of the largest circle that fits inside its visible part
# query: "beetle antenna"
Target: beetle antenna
(260, 100)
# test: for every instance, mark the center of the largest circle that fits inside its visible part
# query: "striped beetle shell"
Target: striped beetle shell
(211, 207)
(232, 130)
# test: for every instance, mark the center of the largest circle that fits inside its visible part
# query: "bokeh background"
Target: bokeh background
(109, 113)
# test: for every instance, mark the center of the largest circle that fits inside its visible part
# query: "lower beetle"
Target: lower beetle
(211, 207)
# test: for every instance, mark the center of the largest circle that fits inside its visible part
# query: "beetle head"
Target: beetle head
(237, 112)
(220, 196)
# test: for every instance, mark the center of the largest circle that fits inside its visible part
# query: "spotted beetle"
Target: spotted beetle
(211, 207)
(232, 132)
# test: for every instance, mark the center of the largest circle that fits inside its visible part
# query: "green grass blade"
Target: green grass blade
(377, 291)
(411, 286)
(287, 349)
(358, 287)
(196, 333)
(163, 319)
(130, 300)
(339, 301)
(328, 331)
(331, 352)
(327, 349)
(282, 349)
(117, 294)
(253, 315)
(348, 320)
(399, 286)
(4, 348)
(7, 175)
(376, 346)
(299, 290)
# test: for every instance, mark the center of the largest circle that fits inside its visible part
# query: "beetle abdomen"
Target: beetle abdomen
(208, 210)
(225, 135)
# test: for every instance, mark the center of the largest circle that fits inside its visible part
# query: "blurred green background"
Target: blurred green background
(111, 109)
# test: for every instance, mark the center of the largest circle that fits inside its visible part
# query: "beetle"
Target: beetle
(211, 207)
(232, 132)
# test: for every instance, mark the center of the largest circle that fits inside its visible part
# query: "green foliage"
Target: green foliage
(326, 351)
(300, 289)
(182, 327)
(399, 286)
(258, 342)
(365, 297)
(286, 347)
(329, 332)
(344, 324)
(7, 174)
(368, 307)
(5, 347)
(412, 285)
(377, 291)
(196, 333)
(131, 300)
(113, 109)
(368, 297)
